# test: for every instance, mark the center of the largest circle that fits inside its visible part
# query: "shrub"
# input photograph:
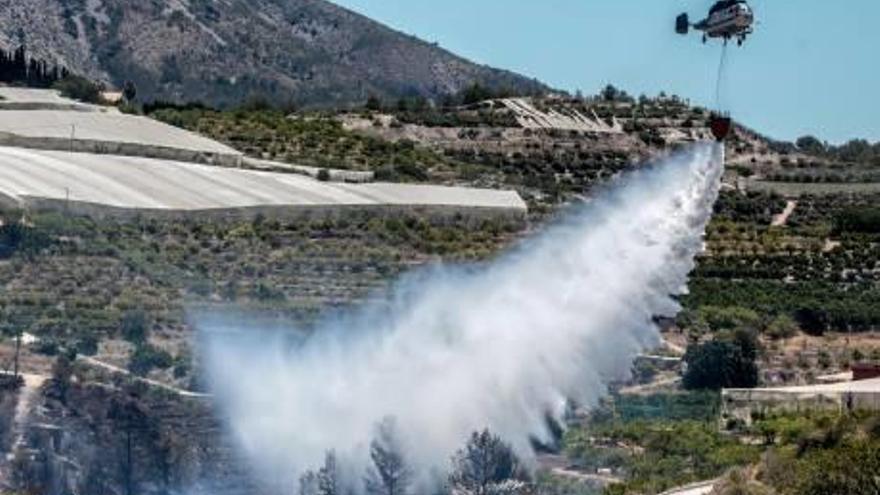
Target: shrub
(146, 358)
(79, 88)
(858, 220)
(848, 470)
(87, 345)
(16, 237)
(782, 327)
(373, 104)
(47, 347)
(135, 326)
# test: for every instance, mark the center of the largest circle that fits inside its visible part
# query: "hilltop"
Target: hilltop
(303, 52)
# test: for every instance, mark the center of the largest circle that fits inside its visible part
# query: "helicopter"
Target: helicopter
(727, 19)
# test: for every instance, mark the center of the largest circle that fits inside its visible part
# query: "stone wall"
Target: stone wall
(283, 212)
(37, 105)
(743, 405)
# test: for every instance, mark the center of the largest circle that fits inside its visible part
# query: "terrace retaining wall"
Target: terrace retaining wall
(275, 212)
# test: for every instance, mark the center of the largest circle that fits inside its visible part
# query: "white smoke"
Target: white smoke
(458, 350)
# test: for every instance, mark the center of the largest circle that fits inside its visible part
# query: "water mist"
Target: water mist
(456, 350)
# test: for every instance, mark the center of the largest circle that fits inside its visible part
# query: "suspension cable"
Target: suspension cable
(721, 67)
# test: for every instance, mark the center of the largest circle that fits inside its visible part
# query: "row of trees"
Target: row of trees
(858, 220)
(18, 67)
(486, 465)
(856, 150)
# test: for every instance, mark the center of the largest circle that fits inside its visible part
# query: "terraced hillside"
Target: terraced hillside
(96, 242)
(797, 272)
(551, 150)
(75, 282)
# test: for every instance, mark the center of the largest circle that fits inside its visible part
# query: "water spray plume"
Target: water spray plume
(457, 350)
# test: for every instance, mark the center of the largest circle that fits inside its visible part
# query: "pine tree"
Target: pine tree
(19, 69)
(389, 474)
(484, 465)
(328, 476)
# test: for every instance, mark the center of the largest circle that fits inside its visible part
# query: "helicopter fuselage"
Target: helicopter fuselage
(728, 19)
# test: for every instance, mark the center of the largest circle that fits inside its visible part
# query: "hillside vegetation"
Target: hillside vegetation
(75, 282)
(783, 454)
(816, 272)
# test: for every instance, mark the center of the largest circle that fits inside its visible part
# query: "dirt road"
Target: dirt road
(782, 219)
(153, 383)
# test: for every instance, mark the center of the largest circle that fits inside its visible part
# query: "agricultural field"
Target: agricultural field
(817, 272)
(791, 454)
(788, 287)
(478, 144)
(315, 140)
(798, 189)
(75, 283)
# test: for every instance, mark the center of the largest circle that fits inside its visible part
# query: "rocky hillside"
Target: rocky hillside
(223, 52)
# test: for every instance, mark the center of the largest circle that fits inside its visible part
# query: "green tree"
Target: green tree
(389, 474)
(475, 93)
(811, 145)
(782, 327)
(730, 317)
(611, 93)
(720, 364)
(129, 91)
(308, 483)
(147, 357)
(328, 476)
(485, 463)
(135, 326)
(373, 103)
(814, 321)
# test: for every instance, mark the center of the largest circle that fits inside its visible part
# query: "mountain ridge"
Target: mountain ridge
(223, 52)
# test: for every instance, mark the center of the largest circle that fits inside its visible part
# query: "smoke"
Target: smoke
(456, 350)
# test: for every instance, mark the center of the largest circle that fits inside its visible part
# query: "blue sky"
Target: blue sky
(812, 67)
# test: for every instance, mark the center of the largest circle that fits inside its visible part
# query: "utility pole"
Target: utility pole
(17, 352)
(72, 136)
(129, 468)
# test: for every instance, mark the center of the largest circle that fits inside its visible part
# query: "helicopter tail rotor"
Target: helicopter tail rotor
(682, 24)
